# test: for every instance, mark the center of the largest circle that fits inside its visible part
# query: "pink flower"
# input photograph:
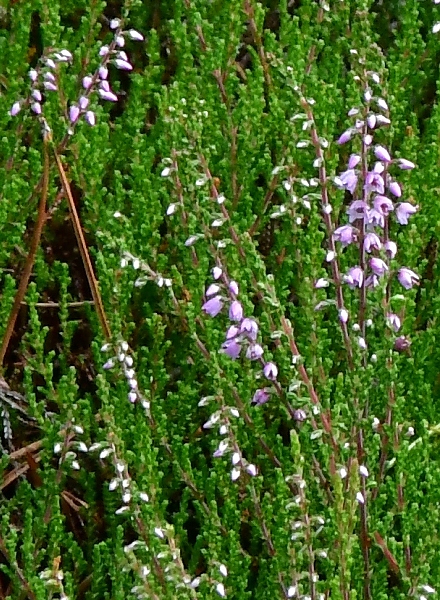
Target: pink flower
(349, 180)
(390, 248)
(407, 278)
(383, 204)
(73, 113)
(354, 277)
(382, 154)
(372, 240)
(395, 189)
(213, 306)
(405, 165)
(345, 137)
(249, 328)
(232, 348)
(15, 109)
(353, 161)
(357, 210)
(270, 371)
(374, 182)
(404, 211)
(260, 397)
(254, 352)
(236, 311)
(393, 321)
(378, 266)
(345, 234)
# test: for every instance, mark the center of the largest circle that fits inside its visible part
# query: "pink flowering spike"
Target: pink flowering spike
(357, 210)
(236, 311)
(405, 165)
(383, 204)
(87, 82)
(270, 371)
(232, 348)
(390, 248)
(371, 241)
(213, 306)
(382, 154)
(404, 211)
(349, 180)
(254, 352)
(345, 137)
(73, 113)
(249, 328)
(395, 189)
(90, 118)
(393, 321)
(353, 161)
(135, 35)
(232, 332)
(407, 278)
(346, 234)
(260, 397)
(378, 266)
(354, 277)
(233, 288)
(36, 108)
(123, 65)
(15, 109)
(110, 96)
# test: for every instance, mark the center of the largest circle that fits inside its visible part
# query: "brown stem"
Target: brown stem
(84, 251)
(30, 260)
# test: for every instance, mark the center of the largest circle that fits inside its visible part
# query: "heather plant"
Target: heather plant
(220, 299)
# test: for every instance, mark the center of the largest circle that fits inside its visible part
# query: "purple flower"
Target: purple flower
(376, 218)
(354, 277)
(374, 182)
(103, 51)
(382, 154)
(349, 180)
(357, 210)
(383, 204)
(345, 234)
(371, 121)
(270, 371)
(213, 306)
(404, 211)
(232, 348)
(249, 327)
(90, 117)
(372, 240)
(15, 109)
(407, 278)
(393, 321)
(36, 95)
(378, 266)
(254, 352)
(110, 96)
(212, 289)
(33, 75)
(87, 82)
(123, 65)
(395, 189)
(402, 344)
(405, 165)
(51, 87)
(233, 287)
(236, 311)
(372, 281)
(232, 332)
(73, 113)
(103, 72)
(390, 248)
(368, 139)
(345, 137)
(216, 273)
(36, 108)
(343, 315)
(321, 283)
(353, 161)
(260, 397)
(83, 103)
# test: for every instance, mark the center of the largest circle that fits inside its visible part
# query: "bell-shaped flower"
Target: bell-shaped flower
(354, 277)
(382, 154)
(383, 204)
(232, 348)
(213, 306)
(378, 266)
(249, 328)
(357, 210)
(353, 161)
(374, 182)
(407, 278)
(372, 241)
(395, 189)
(393, 321)
(270, 371)
(236, 311)
(346, 234)
(254, 352)
(390, 248)
(349, 180)
(404, 211)
(260, 397)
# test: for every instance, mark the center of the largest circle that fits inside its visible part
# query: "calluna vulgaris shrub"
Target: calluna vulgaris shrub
(220, 299)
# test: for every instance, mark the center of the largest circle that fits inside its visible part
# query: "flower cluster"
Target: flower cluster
(123, 357)
(45, 78)
(243, 332)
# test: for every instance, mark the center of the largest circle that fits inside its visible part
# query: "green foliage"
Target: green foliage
(103, 497)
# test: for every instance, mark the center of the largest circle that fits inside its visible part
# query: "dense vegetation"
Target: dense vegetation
(219, 299)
